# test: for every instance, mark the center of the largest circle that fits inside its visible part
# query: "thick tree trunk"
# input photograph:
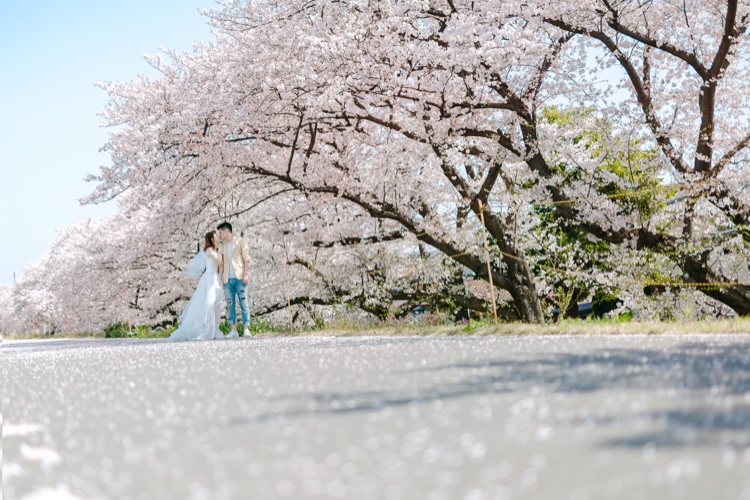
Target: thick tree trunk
(520, 281)
(735, 296)
(523, 291)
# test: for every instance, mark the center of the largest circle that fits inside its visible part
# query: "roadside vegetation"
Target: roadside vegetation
(436, 325)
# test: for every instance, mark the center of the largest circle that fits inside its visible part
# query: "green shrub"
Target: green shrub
(473, 324)
(117, 330)
(166, 332)
(122, 330)
(256, 326)
(144, 332)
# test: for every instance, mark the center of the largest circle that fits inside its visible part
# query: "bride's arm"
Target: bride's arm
(221, 263)
(214, 256)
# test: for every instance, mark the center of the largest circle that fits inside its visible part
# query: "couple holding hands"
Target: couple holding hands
(224, 270)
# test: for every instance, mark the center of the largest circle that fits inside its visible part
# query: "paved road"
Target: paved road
(563, 417)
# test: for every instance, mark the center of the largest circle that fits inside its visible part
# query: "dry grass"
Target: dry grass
(43, 336)
(567, 327)
(726, 326)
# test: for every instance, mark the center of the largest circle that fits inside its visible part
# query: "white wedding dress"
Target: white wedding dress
(201, 318)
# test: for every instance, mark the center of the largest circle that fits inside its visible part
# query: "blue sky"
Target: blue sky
(52, 53)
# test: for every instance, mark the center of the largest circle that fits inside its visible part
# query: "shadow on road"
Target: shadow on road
(703, 374)
(692, 365)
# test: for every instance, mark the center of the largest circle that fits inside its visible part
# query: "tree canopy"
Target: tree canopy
(604, 146)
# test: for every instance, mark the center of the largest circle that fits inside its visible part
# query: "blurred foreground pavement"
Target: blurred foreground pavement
(542, 417)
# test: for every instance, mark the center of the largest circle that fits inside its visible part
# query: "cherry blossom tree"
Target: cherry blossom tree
(415, 114)
(192, 158)
(364, 153)
(408, 99)
(684, 69)
(34, 303)
(8, 322)
(415, 179)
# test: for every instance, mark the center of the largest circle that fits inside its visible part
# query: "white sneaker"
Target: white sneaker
(247, 333)
(232, 334)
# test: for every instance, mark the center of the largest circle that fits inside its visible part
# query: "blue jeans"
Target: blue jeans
(234, 291)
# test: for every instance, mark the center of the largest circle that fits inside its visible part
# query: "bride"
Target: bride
(201, 317)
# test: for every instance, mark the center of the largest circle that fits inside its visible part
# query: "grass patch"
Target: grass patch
(435, 326)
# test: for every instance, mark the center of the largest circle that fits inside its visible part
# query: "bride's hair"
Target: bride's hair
(209, 241)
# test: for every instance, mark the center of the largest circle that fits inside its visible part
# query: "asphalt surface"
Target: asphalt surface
(552, 417)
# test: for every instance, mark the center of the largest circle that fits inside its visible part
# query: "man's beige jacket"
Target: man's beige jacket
(240, 255)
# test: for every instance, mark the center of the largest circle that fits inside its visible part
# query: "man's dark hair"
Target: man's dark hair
(224, 225)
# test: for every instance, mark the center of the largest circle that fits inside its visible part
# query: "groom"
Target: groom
(235, 276)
